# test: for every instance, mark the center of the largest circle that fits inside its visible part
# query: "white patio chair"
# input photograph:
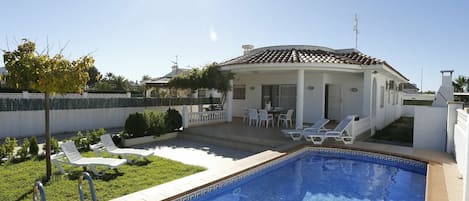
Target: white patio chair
(245, 114)
(264, 116)
(297, 134)
(285, 118)
(339, 133)
(108, 145)
(253, 116)
(74, 158)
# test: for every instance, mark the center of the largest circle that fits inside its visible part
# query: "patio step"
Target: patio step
(232, 143)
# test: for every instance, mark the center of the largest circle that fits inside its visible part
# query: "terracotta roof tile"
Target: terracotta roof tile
(305, 54)
(293, 55)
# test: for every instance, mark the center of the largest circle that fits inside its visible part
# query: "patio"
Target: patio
(238, 134)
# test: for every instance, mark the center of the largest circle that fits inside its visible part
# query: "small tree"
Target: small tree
(210, 77)
(30, 70)
(461, 84)
(33, 147)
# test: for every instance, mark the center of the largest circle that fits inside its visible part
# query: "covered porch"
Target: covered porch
(313, 94)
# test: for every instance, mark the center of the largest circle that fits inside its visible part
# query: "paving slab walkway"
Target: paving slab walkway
(196, 153)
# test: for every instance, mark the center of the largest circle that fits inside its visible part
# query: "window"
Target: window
(381, 99)
(283, 95)
(239, 92)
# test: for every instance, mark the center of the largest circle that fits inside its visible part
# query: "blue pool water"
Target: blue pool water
(316, 175)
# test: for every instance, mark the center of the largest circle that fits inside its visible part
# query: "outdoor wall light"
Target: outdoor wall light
(311, 87)
(375, 72)
(252, 87)
(353, 89)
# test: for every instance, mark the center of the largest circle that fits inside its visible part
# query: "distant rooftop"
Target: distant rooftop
(166, 78)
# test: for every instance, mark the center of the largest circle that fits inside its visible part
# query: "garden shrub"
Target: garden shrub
(156, 122)
(92, 137)
(136, 125)
(23, 151)
(33, 146)
(10, 145)
(80, 141)
(54, 146)
(173, 120)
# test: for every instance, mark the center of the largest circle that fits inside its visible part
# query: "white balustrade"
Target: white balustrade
(206, 117)
(361, 126)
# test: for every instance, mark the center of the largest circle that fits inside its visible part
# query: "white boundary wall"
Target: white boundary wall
(461, 132)
(30, 123)
(430, 127)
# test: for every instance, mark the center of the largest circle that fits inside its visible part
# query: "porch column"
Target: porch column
(229, 103)
(367, 104)
(300, 90)
(367, 93)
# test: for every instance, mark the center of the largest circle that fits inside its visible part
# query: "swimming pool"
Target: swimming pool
(324, 174)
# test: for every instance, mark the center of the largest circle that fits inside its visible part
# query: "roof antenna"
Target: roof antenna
(355, 29)
(175, 64)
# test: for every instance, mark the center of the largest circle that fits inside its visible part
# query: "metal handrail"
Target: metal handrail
(38, 188)
(90, 183)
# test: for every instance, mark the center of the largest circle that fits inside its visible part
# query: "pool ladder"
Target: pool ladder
(39, 189)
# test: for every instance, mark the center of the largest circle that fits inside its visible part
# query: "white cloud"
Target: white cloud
(213, 35)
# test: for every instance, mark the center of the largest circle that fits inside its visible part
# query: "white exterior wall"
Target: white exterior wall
(29, 123)
(390, 112)
(351, 102)
(254, 84)
(313, 99)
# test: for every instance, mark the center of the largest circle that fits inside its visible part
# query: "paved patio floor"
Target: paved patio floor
(197, 153)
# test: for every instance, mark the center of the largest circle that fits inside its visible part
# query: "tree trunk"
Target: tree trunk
(47, 126)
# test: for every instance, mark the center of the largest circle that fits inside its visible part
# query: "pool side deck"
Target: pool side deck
(443, 182)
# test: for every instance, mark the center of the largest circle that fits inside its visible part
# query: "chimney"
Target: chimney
(447, 78)
(247, 48)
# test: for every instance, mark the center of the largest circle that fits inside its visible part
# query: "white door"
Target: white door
(334, 102)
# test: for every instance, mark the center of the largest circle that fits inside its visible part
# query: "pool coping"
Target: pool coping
(440, 172)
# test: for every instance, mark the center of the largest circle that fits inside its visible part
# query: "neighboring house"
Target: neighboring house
(157, 87)
(409, 88)
(318, 82)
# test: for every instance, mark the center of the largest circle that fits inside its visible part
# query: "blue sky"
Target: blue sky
(133, 38)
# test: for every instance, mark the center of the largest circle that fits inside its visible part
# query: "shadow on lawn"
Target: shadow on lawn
(24, 195)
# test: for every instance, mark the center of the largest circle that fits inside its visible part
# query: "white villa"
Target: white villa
(318, 82)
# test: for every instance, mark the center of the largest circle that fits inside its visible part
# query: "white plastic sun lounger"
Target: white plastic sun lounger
(109, 146)
(339, 133)
(297, 134)
(74, 158)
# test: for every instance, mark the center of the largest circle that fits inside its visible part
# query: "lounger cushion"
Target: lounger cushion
(128, 151)
(110, 162)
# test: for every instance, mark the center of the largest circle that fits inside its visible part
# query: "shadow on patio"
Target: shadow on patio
(239, 135)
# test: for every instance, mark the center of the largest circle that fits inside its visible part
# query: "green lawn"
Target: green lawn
(18, 179)
(400, 131)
